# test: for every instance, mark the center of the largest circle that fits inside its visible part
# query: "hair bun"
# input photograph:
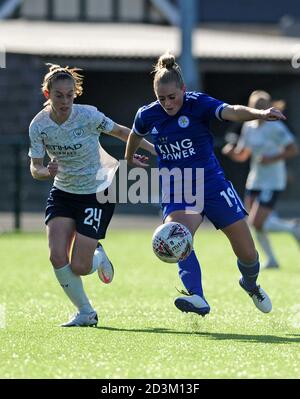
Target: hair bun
(166, 61)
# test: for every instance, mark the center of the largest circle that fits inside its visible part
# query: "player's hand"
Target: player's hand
(140, 160)
(273, 114)
(52, 167)
(227, 149)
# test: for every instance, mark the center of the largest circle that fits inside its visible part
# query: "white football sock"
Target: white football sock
(264, 242)
(275, 224)
(73, 287)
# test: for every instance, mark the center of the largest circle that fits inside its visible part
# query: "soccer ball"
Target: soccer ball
(172, 242)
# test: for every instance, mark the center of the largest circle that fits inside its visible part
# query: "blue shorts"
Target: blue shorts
(91, 217)
(221, 204)
(267, 198)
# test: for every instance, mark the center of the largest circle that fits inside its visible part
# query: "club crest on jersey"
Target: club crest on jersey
(183, 121)
(78, 132)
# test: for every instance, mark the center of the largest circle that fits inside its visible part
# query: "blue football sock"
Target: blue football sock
(249, 273)
(190, 274)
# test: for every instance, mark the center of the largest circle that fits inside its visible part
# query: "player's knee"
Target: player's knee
(258, 225)
(80, 268)
(249, 256)
(58, 259)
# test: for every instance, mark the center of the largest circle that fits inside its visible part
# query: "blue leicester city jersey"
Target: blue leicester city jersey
(183, 140)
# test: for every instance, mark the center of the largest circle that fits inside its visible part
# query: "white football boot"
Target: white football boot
(82, 320)
(270, 264)
(192, 303)
(259, 298)
(106, 269)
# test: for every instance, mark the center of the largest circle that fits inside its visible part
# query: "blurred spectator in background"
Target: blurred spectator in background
(268, 144)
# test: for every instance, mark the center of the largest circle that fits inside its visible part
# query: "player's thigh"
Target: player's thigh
(60, 231)
(191, 220)
(262, 207)
(249, 200)
(82, 254)
(241, 241)
(93, 218)
(258, 214)
(92, 221)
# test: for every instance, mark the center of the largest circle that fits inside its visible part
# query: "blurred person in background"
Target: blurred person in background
(268, 145)
(76, 220)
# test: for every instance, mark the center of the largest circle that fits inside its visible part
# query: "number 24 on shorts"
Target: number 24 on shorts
(93, 217)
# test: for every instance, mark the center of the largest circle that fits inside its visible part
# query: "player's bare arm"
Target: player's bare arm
(290, 151)
(38, 170)
(240, 113)
(133, 144)
(122, 133)
(41, 172)
(235, 153)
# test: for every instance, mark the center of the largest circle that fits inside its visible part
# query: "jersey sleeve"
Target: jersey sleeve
(139, 126)
(37, 146)
(209, 107)
(102, 122)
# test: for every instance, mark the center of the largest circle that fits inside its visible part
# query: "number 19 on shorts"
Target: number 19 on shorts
(229, 195)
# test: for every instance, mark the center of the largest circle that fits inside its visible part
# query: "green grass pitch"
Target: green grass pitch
(141, 334)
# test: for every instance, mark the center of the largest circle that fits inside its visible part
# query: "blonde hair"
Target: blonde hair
(166, 70)
(262, 100)
(57, 72)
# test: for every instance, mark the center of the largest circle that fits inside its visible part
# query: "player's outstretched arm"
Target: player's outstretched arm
(235, 153)
(240, 113)
(289, 151)
(133, 144)
(122, 133)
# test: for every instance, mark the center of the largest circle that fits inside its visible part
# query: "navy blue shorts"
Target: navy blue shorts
(91, 217)
(221, 204)
(267, 198)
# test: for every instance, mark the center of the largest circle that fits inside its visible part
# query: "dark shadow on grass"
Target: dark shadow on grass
(263, 339)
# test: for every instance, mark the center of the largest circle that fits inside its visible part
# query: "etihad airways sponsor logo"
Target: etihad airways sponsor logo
(72, 147)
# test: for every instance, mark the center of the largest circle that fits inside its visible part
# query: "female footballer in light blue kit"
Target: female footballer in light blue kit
(179, 124)
(75, 219)
(268, 145)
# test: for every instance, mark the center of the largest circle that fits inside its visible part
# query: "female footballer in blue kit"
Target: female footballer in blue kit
(81, 169)
(179, 124)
